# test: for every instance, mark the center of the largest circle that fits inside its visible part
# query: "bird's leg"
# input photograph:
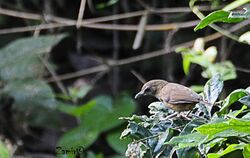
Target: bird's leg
(185, 116)
(189, 113)
(171, 116)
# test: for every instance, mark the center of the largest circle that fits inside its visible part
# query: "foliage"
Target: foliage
(209, 132)
(216, 16)
(245, 37)
(206, 59)
(4, 153)
(95, 117)
(33, 98)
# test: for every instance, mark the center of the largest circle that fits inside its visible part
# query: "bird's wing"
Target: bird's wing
(178, 94)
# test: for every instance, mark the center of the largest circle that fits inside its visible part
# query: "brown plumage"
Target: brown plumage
(175, 96)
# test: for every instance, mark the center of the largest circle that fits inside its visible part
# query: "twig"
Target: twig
(157, 27)
(32, 28)
(80, 13)
(243, 69)
(138, 76)
(141, 57)
(226, 33)
(146, 138)
(20, 14)
(140, 32)
(53, 73)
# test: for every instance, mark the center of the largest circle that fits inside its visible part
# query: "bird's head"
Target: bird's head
(151, 87)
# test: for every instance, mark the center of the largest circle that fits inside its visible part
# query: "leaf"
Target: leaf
(189, 140)
(106, 4)
(78, 93)
(99, 118)
(210, 53)
(22, 48)
(213, 88)
(77, 111)
(116, 143)
(216, 16)
(224, 135)
(188, 152)
(137, 150)
(229, 149)
(246, 151)
(135, 131)
(30, 93)
(245, 100)
(245, 37)
(4, 153)
(234, 124)
(226, 69)
(79, 136)
(197, 88)
(30, 67)
(105, 116)
(38, 117)
(232, 98)
(235, 113)
(199, 45)
(83, 91)
(186, 62)
(164, 136)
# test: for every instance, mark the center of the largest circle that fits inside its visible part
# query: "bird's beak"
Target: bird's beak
(139, 94)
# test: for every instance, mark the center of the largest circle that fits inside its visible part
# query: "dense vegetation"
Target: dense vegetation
(67, 86)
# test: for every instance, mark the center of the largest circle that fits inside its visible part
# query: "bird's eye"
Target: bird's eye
(147, 90)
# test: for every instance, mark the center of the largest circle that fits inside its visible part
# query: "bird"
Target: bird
(175, 96)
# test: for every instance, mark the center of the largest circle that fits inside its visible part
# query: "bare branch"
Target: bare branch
(80, 13)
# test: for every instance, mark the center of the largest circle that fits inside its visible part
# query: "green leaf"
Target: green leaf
(234, 124)
(216, 16)
(235, 113)
(4, 153)
(105, 116)
(79, 136)
(135, 131)
(232, 98)
(107, 4)
(188, 152)
(211, 140)
(213, 88)
(76, 111)
(30, 93)
(78, 93)
(30, 67)
(226, 69)
(21, 48)
(186, 62)
(197, 88)
(189, 140)
(99, 118)
(246, 151)
(229, 149)
(116, 143)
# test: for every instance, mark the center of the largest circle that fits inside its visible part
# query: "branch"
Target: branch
(110, 64)
(80, 13)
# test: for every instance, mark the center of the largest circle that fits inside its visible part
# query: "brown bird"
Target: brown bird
(175, 96)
